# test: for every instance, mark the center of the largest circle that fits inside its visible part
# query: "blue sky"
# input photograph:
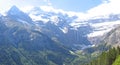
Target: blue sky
(68, 5)
(75, 5)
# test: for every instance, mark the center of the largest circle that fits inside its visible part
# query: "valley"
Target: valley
(38, 37)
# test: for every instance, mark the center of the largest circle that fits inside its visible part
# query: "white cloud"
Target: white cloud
(102, 10)
(106, 8)
(52, 9)
(27, 8)
(38, 18)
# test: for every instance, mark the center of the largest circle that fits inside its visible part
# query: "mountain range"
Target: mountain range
(38, 37)
(66, 27)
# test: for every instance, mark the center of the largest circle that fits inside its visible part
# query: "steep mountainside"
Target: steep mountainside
(64, 27)
(113, 37)
(47, 38)
(111, 56)
(58, 26)
(22, 43)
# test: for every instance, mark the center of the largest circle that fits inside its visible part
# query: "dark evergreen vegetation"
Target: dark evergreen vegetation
(110, 57)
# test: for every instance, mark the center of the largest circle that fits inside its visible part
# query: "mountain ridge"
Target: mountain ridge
(20, 42)
(60, 40)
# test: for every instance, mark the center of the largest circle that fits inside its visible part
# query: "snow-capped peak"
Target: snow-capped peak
(40, 14)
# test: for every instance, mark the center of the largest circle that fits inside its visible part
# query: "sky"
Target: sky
(67, 5)
(75, 5)
(82, 8)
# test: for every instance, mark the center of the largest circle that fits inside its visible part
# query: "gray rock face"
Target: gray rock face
(113, 37)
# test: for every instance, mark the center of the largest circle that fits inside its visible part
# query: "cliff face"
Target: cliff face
(113, 37)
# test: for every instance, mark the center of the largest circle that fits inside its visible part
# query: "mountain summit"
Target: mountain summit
(14, 11)
(16, 14)
(19, 42)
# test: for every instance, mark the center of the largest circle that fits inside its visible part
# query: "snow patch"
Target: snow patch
(76, 25)
(22, 21)
(98, 33)
(64, 30)
(38, 18)
(101, 28)
(54, 19)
